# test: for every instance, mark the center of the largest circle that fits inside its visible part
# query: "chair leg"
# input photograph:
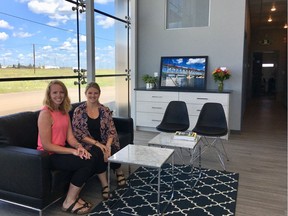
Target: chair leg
(221, 155)
(206, 144)
(225, 153)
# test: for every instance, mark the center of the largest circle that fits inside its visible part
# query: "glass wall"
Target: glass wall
(46, 42)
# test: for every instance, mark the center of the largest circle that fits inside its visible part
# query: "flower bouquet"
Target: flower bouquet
(220, 74)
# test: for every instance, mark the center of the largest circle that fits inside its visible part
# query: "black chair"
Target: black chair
(212, 123)
(175, 118)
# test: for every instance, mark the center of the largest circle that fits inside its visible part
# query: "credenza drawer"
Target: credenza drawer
(194, 109)
(202, 98)
(156, 96)
(151, 120)
(151, 107)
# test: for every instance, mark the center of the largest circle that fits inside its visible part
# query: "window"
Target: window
(44, 47)
(187, 13)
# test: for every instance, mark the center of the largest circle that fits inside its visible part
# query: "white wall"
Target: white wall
(222, 42)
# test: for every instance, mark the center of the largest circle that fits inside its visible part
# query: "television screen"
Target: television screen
(187, 72)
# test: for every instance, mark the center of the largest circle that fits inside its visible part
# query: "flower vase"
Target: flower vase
(220, 86)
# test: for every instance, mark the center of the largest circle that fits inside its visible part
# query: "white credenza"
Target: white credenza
(151, 105)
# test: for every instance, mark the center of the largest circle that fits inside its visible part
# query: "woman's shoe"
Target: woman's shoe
(83, 209)
(105, 193)
(86, 203)
(121, 181)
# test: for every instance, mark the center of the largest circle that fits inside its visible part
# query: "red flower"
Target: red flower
(221, 74)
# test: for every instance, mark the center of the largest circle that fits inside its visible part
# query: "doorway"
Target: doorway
(265, 74)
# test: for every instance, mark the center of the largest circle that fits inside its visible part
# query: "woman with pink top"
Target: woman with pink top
(55, 131)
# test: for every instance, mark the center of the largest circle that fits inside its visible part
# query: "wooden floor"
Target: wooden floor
(258, 154)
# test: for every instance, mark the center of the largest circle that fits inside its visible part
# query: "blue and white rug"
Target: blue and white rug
(214, 194)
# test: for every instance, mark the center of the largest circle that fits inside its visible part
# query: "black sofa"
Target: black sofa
(26, 178)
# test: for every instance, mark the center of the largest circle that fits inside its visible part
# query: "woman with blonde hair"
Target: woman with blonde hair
(93, 126)
(55, 131)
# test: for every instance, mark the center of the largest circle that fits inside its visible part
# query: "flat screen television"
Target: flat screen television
(185, 72)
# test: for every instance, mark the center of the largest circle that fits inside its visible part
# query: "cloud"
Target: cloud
(60, 18)
(105, 54)
(68, 45)
(109, 48)
(47, 47)
(82, 38)
(8, 54)
(61, 11)
(54, 39)
(196, 60)
(43, 7)
(179, 61)
(21, 56)
(73, 41)
(22, 34)
(3, 36)
(6, 25)
(53, 23)
(57, 11)
(105, 22)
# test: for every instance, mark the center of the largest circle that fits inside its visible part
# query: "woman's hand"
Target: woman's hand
(107, 153)
(82, 152)
(106, 149)
(101, 146)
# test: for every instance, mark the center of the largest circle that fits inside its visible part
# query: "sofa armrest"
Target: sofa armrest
(124, 125)
(24, 171)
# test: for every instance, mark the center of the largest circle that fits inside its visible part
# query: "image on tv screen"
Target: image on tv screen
(183, 72)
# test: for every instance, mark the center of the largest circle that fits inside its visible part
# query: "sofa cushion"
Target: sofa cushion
(19, 129)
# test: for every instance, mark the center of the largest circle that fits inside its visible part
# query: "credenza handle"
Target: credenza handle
(201, 98)
(156, 107)
(198, 110)
(154, 96)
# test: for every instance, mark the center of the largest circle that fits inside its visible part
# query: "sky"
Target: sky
(48, 29)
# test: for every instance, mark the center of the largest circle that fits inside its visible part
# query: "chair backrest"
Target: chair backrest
(212, 115)
(176, 114)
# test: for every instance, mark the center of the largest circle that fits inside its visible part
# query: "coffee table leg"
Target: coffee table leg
(159, 188)
(108, 170)
(158, 197)
(172, 176)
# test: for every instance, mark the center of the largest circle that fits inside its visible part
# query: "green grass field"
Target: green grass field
(20, 86)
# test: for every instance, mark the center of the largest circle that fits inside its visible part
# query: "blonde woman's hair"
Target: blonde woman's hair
(92, 85)
(65, 106)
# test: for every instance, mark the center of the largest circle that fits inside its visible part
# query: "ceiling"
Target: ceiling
(260, 10)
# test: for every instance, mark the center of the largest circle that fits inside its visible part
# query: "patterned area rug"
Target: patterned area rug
(215, 193)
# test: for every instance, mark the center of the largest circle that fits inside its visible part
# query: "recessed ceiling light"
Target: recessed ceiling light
(273, 8)
(270, 19)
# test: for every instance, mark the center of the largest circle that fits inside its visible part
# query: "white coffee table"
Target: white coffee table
(167, 141)
(148, 156)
